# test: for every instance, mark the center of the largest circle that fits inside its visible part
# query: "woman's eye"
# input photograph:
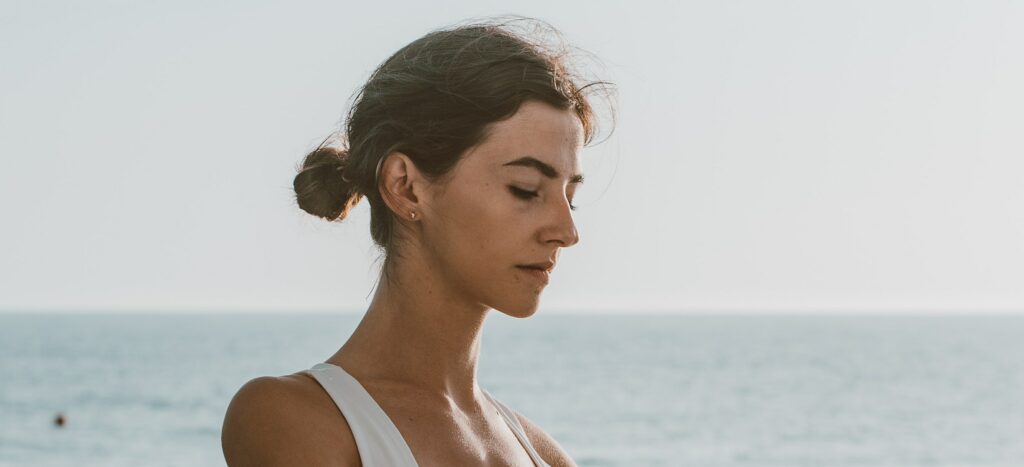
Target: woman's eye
(528, 195)
(523, 194)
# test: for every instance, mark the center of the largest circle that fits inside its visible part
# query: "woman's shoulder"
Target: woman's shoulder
(546, 446)
(286, 420)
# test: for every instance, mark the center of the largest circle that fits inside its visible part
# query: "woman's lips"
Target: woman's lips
(536, 273)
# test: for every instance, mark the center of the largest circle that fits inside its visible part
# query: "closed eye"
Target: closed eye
(529, 195)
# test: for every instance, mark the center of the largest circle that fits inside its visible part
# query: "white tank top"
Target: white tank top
(378, 440)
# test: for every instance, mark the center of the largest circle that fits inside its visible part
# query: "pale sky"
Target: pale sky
(769, 156)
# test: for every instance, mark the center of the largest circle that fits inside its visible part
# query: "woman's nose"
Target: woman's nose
(563, 229)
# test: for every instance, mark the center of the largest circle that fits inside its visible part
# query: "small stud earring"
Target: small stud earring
(412, 215)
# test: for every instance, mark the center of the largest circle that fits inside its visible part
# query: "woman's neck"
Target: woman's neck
(419, 333)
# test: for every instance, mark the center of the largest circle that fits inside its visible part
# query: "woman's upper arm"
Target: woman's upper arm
(267, 424)
(546, 446)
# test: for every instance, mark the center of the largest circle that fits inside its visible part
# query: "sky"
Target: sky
(767, 156)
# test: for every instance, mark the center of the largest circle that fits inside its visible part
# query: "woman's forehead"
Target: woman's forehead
(539, 121)
(537, 131)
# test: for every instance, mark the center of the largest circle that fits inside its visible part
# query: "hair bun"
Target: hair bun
(320, 188)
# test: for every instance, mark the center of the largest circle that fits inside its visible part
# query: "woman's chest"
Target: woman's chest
(439, 437)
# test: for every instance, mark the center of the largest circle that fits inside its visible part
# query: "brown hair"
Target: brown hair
(432, 100)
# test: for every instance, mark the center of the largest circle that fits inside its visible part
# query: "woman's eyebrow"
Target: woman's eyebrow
(545, 169)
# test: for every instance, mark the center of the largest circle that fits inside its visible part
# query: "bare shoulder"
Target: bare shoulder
(546, 446)
(286, 420)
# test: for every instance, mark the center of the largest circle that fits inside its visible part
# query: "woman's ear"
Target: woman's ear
(400, 184)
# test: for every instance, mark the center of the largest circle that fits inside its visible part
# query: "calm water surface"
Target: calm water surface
(615, 390)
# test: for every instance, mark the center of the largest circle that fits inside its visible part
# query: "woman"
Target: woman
(466, 144)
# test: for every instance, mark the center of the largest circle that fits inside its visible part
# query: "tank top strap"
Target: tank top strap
(377, 438)
(517, 429)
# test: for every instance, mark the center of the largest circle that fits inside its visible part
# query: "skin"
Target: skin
(416, 348)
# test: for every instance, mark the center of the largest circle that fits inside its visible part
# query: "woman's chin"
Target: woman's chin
(520, 310)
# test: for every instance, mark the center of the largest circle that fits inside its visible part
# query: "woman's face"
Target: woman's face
(506, 205)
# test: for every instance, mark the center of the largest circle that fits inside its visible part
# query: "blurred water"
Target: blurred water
(615, 390)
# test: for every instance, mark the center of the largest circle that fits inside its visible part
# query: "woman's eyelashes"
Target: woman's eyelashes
(529, 195)
(523, 194)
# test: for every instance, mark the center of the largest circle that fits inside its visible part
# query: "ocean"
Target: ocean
(626, 389)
